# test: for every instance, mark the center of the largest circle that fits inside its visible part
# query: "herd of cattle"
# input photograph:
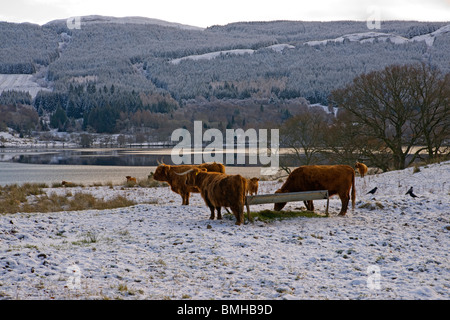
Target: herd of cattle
(219, 189)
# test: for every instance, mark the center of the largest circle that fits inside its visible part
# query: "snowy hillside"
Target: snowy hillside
(429, 38)
(133, 54)
(372, 37)
(392, 246)
(363, 37)
(212, 55)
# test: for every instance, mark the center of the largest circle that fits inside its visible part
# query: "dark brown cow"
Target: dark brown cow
(337, 179)
(178, 183)
(220, 190)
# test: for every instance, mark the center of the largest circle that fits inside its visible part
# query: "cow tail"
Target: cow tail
(244, 183)
(353, 190)
(244, 192)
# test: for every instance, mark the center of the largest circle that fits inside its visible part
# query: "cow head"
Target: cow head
(161, 172)
(279, 206)
(359, 165)
(192, 175)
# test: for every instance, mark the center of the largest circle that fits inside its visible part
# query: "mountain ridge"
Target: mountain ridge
(100, 19)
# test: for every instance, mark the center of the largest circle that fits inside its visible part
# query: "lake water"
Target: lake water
(112, 156)
(86, 166)
(93, 157)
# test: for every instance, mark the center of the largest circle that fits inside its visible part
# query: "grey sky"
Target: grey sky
(205, 13)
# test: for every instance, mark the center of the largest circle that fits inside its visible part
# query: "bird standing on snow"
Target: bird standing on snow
(410, 192)
(373, 190)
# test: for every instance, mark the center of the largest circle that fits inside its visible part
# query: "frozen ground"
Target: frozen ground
(391, 246)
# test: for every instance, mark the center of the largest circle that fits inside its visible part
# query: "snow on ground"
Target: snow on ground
(391, 246)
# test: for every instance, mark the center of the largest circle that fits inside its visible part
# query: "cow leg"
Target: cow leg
(235, 211)
(309, 205)
(219, 214)
(211, 207)
(239, 214)
(212, 212)
(209, 204)
(185, 197)
(344, 200)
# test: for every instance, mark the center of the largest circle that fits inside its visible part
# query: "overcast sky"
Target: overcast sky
(204, 13)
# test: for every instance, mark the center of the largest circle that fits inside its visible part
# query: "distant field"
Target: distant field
(20, 82)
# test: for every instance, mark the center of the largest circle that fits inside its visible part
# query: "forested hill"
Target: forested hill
(138, 64)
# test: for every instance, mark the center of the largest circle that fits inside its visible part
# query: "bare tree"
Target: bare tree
(342, 140)
(303, 135)
(389, 105)
(431, 95)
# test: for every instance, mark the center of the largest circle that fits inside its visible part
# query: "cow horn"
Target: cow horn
(184, 173)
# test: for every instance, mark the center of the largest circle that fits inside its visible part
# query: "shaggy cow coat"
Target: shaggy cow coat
(168, 173)
(337, 179)
(252, 186)
(220, 190)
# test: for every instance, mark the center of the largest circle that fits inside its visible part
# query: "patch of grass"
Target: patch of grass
(144, 183)
(32, 198)
(371, 206)
(85, 201)
(11, 196)
(87, 238)
(270, 215)
(151, 183)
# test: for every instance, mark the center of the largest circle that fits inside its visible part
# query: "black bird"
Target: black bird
(373, 190)
(410, 192)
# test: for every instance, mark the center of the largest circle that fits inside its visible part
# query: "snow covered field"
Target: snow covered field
(392, 246)
(20, 82)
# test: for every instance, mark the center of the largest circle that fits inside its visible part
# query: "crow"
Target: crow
(410, 192)
(373, 190)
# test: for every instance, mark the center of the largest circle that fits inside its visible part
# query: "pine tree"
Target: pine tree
(59, 119)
